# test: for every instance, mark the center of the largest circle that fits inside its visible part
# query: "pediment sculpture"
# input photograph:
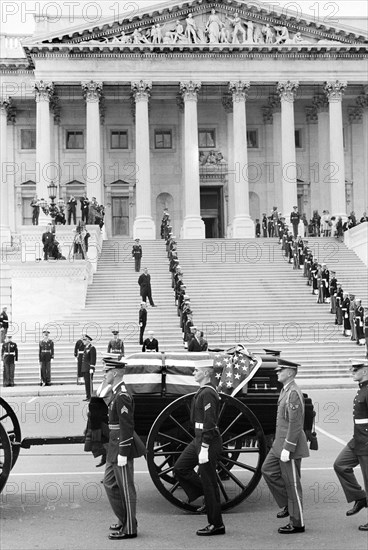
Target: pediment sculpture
(217, 28)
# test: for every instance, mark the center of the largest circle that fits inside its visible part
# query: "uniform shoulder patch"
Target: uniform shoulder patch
(294, 406)
(124, 410)
(208, 406)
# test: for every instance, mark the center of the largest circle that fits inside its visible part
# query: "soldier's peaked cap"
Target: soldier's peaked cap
(46, 332)
(203, 363)
(358, 364)
(115, 332)
(111, 363)
(88, 337)
(284, 364)
(274, 352)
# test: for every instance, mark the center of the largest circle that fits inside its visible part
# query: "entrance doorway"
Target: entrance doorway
(120, 216)
(212, 211)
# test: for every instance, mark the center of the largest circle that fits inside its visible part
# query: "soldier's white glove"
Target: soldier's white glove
(122, 461)
(203, 455)
(285, 455)
(91, 371)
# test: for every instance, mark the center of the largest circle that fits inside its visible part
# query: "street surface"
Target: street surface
(54, 498)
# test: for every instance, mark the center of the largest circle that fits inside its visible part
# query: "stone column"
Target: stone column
(227, 102)
(286, 91)
(144, 226)
(243, 226)
(336, 176)
(321, 199)
(4, 185)
(93, 169)
(193, 225)
(43, 91)
(362, 101)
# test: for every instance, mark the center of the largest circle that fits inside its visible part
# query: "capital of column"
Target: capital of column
(334, 90)
(239, 89)
(92, 91)
(141, 90)
(267, 113)
(311, 114)
(43, 90)
(355, 113)
(362, 99)
(227, 102)
(189, 90)
(320, 102)
(287, 90)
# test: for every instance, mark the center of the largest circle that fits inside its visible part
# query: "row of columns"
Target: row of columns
(193, 226)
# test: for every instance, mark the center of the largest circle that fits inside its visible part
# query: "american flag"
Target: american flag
(233, 372)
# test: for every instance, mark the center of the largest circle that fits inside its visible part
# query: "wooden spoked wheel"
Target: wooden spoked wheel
(239, 467)
(10, 422)
(6, 456)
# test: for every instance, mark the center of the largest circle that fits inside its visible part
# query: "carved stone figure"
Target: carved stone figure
(250, 31)
(268, 33)
(179, 32)
(282, 34)
(213, 27)
(238, 28)
(257, 35)
(191, 29)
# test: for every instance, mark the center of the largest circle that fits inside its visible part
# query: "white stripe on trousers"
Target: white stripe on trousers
(127, 501)
(296, 492)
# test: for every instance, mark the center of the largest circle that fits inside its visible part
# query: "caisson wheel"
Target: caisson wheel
(6, 456)
(239, 467)
(10, 422)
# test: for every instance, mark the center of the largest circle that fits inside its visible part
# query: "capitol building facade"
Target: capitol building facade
(218, 111)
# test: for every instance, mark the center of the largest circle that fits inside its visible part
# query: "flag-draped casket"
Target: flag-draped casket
(172, 373)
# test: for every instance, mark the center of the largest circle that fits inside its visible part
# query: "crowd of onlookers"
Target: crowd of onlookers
(317, 226)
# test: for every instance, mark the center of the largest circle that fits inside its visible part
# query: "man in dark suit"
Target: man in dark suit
(281, 469)
(137, 255)
(197, 343)
(123, 447)
(84, 208)
(48, 239)
(88, 365)
(150, 343)
(356, 451)
(72, 210)
(35, 204)
(142, 319)
(144, 282)
(46, 353)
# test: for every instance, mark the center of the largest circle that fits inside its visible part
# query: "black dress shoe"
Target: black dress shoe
(118, 535)
(211, 530)
(103, 461)
(115, 527)
(363, 527)
(283, 513)
(86, 399)
(290, 529)
(358, 505)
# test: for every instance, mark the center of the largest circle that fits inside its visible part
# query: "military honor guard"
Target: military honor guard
(137, 255)
(78, 354)
(9, 354)
(356, 451)
(142, 320)
(281, 469)
(116, 345)
(4, 324)
(123, 447)
(150, 344)
(359, 322)
(88, 365)
(46, 354)
(203, 451)
(294, 220)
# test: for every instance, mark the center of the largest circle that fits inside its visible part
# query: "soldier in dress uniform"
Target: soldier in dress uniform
(78, 354)
(9, 354)
(88, 365)
(333, 291)
(294, 220)
(150, 344)
(359, 321)
(204, 450)
(46, 353)
(281, 469)
(4, 324)
(352, 309)
(116, 345)
(326, 283)
(137, 254)
(345, 307)
(123, 447)
(142, 319)
(356, 451)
